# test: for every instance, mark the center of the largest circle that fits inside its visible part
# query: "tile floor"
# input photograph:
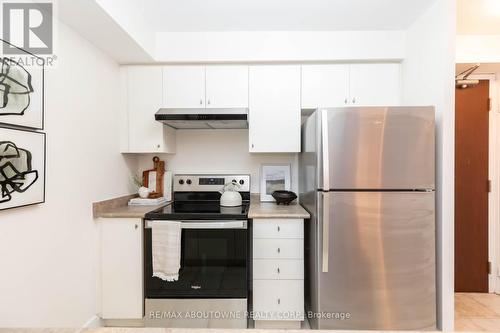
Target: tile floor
(477, 312)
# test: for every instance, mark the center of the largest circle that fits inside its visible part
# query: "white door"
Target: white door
(121, 268)
(227, 87)
(375, 85)
(274, 109)
(325, 86)
(184, 87)
(144, 94)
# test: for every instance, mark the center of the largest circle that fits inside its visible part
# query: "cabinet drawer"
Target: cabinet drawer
(278, 299)
(278, 249)
(278, 269)
(278, 228)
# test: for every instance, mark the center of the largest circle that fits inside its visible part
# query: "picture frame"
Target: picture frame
(22, 89)
(274, 177)
(22, 168)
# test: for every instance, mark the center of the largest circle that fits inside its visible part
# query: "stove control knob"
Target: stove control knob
(234, 181)
(188, 181)
(181, 181)
(242, 182)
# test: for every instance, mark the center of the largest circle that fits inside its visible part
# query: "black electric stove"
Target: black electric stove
(214, 244)
(200, 206)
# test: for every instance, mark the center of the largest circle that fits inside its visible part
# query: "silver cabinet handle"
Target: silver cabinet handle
(324, 144)
(279, 301)
(158, 146)
(278, 270)
(326, 230)
(252, 145)
(345, 100)
(354, 100)
(136, 226)
(201, 102)
(278, 228)
(208, 102)
(279, 250)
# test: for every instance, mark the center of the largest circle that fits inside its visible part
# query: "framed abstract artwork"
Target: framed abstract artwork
(22, 168)
(21, 90)
(274, 178)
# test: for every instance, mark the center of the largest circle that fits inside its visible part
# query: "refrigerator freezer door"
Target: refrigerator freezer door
(376, 148)
(381, 261)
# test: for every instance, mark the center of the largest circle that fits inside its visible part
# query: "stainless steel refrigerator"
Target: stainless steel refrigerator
(367, 176)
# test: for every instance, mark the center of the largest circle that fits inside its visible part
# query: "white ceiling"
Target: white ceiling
(284, 15)
(478, 17)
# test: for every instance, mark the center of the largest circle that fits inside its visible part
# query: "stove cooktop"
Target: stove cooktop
(199, 210)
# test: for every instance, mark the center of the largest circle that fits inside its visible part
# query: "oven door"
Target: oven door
(214, 260)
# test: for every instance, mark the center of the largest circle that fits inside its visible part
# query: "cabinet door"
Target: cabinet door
(184, 87)
(274, 109)
(121, 268)
(375, 85)
(144, 93)
(278, 228)
(325, 86)
(278, 248)
(278, 299)
(227, 86)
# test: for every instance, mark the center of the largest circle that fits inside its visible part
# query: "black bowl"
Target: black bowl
(284, 197)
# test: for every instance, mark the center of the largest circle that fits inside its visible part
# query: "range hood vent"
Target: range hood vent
(203, 118)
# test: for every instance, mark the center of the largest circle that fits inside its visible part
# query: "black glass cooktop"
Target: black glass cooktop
(199, 210)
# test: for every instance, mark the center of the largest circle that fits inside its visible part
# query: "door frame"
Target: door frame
(494, 176)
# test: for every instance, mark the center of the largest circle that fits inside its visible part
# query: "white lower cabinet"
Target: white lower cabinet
(121, 268)
(279, 269)
(278, 299)
(278, 273)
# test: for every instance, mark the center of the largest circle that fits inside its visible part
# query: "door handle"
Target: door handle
(324, 145)
(326, 230)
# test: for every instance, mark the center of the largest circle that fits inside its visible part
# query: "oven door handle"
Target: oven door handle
(192, 224)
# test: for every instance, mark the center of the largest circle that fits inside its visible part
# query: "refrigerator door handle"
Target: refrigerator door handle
(326, 231)
(325, 150)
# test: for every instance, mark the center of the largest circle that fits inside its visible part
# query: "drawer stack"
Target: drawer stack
(278, 272)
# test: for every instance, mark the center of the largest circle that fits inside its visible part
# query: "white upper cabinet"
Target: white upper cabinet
(184, 86)
(226, 87)
(274, 108)
(325, 86)
(350, 85)
(375, 84)
(144, 97)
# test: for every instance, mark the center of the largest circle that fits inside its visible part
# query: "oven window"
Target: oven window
(213, 264)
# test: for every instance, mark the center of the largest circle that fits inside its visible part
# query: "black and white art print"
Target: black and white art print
(21, 90)
(22, 168)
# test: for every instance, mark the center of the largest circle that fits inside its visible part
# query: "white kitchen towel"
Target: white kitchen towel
(166, 248)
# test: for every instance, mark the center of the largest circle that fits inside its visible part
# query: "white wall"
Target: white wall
(219, 151)
(428, 79)
(478, 49)
(114, 35)
(265, 46)
(133, 17)
(48, 252)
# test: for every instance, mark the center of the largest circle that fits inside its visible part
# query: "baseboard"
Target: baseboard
(94, 322)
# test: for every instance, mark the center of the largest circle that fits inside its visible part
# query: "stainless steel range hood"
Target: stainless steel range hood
(203, 118)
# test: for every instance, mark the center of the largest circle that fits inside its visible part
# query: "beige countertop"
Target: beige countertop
(170, 330)
(119, 208)
(272, 210)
